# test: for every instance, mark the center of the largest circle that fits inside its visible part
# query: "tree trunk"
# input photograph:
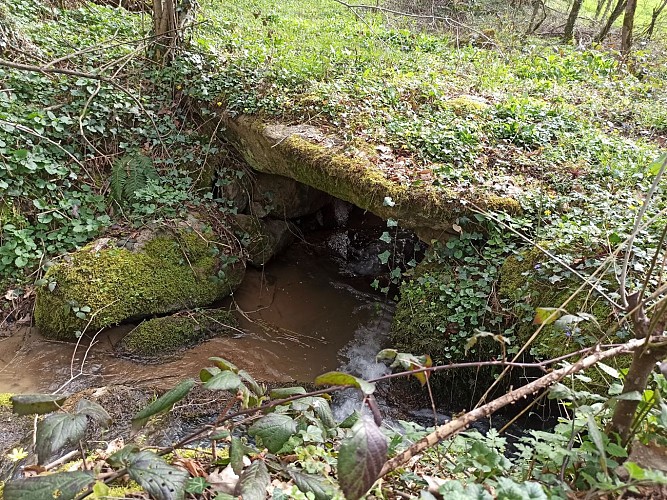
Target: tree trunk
(654, 18)
(618, 10)
(164, 29)
(572, 19)
(628, 25)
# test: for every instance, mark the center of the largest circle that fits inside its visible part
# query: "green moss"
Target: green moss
(524, 289)
(466, 105)
(171, 272)
(5, 399)
(163, 336)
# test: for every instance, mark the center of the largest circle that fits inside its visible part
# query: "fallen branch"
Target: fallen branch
(457, 425)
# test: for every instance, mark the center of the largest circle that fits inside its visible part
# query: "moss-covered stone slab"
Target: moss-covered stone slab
(158, 338)
(305, 154)
(116, 280)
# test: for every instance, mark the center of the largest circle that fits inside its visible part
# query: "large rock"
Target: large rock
(114, 280)
(156, 339)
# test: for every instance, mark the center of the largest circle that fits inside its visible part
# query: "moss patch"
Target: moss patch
(156, 338)
(173, 271)
(5, 401)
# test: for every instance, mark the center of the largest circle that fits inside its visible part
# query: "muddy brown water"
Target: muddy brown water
(298, 314)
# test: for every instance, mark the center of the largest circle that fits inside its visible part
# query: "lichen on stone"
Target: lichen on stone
(171, 271)
(155, 339)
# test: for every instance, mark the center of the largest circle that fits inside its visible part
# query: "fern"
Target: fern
(129, 174)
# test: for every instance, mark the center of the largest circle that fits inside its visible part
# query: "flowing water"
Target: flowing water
(301, 316)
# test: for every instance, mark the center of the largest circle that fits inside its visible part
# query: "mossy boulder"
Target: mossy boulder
(263, 238)
(112, 280)
(158, 338)
(531, 280)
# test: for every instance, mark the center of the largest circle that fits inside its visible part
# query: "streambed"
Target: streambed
(297, 318)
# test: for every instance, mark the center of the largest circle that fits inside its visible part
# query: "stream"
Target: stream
(300, 316)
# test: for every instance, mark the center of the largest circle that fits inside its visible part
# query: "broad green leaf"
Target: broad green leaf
(386, 355)
(286, 392)
(223, 364)
(101, 490)
(612, 372)
(616, 451)
(323, 412)
(546, 315)
(384, 257)
(274, 430)
(28, 404)
(208, 373)
(161, 480)
(94, 411)
(122, 457)
(196, 485)
(361, 458)
(224, 381)
(629, 396)
(340, 378)
(350, 420)
(654, 168)
(257, 389)
(236, 450)
(56, 432)
(310, 483)
(163, 403)
(62, 486)
(254, 481)
(454, 490)
(597, 438)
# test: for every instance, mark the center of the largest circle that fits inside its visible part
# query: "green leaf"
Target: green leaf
(361, 458)
(323, 412)
(208, 373)
(196, 485)
(546, 315)
(223, 364)
(654, 168)
(163, 403)
(254, 481)
(161, 480)
(310, 483)
(28, 404)
(62, 486)
(286, 392)
(385, 237)
(636, 471)
(257, 389)
(94, 411)
(236, 451)
(121, 458)
(274, 430)
(384, 257)
(386, 355)
(56, 432)
(596, 436)
(223, 381)
(616, 451)
(350, 420)
(340, 378)
(612, 372)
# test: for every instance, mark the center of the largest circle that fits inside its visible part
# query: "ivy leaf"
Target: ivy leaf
(274, 430)
(56, 432)
(161, 480)
(28, 404)
(196, 485)
(254, 481)
(65, 485)
(384, 256)
(361, 458)
(546, 315)
(310, 483)
(163, 403)
(94, 411)
(223, 381)
(385, 237)
(340, 378)
(121, 458)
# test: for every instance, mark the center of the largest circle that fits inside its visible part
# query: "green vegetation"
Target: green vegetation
(486, 138)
